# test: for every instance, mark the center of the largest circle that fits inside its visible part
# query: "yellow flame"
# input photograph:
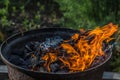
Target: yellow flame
(84, 51)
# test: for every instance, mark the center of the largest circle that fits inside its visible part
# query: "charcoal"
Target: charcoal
(108, 49)
(98, 60)
(103, 46)
(28, 54)
(71, 42)
(54, 67)
(17, 60)
(41, 69)
(41, 62)
(34, 61)
(90, 38)
(28, 62)
(28, 47)
(62, 52)
(31, 62)
(36, 45)
(64, 70)
(38, 51)
(95, 63)
(25, 51)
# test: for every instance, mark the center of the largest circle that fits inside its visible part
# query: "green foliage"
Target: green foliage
(5, 21)
(75, 13)
(89, 13)
(12, 12)
(3, 11)
(115, 61)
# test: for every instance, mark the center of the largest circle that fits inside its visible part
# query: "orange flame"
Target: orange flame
(49, 58)
(86, 48)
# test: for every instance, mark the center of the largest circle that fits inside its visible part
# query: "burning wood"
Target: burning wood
(82, 51)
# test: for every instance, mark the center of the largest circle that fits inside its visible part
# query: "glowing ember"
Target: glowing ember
(80, 55)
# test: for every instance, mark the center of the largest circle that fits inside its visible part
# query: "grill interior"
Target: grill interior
(19, 40)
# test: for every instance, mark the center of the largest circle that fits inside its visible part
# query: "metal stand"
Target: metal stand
(16, 75)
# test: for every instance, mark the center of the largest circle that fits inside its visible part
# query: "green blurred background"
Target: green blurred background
(23, 15)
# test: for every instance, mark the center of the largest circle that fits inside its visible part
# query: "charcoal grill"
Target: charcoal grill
(19, 40)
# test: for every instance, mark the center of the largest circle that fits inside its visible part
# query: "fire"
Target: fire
(49, 58)
(87, 46)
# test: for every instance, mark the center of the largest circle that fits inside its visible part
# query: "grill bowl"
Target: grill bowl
(19, 40)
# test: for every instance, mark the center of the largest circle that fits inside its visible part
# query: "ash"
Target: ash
(51, 42)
